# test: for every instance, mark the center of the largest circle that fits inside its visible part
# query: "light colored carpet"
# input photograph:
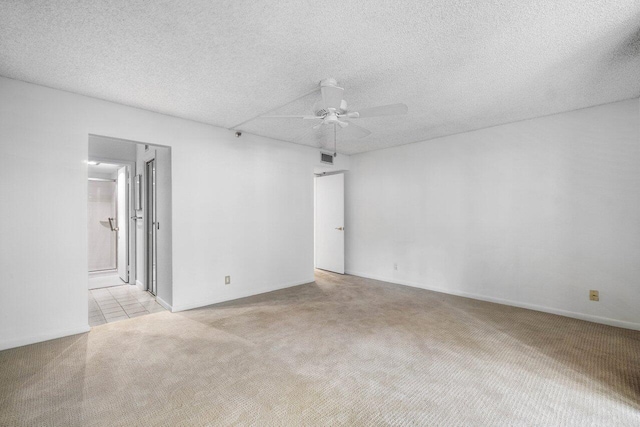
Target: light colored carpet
(340, 351)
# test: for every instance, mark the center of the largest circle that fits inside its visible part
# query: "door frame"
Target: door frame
(164, 159)
(131, 171)
(150, 227)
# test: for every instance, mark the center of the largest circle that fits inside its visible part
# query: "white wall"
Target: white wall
(112, 149)
(241, 207)
(102, 175)
(534, 214)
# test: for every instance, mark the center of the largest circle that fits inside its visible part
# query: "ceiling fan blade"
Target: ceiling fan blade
(383, 110)
(354, 131)
(331, 96)
(291, 117)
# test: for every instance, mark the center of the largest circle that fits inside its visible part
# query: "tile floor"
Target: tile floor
(108, 305)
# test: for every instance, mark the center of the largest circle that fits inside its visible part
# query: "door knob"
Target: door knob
(340, 228)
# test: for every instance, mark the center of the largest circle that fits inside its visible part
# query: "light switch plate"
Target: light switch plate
(227, 280)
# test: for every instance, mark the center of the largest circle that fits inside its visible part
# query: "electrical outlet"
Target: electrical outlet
(227, 280)
(594, 295)
(395, 266)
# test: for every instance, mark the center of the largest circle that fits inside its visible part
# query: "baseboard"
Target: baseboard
(140, 285)
(43, 337)
(544, 309)
(91, 288)
(217, 300)
(164, 303)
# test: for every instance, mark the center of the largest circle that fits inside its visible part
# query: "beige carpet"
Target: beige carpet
(340, 351)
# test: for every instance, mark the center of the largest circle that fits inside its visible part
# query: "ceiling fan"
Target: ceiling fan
(333, 110)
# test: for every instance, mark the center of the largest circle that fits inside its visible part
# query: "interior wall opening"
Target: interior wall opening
(129, 224)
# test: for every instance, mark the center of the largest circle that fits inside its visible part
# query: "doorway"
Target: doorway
(134, 274)
(329, 222)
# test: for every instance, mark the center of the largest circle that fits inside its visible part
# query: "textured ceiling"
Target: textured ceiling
(458, 64)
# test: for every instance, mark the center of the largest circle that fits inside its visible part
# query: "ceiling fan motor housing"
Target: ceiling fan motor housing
(320, 111)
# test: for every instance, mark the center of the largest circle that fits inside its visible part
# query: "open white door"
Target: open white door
(122, 219)
(330, 223)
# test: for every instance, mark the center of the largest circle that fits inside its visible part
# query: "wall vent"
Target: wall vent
(326, 158)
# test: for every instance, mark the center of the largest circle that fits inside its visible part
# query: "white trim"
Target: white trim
(581, 316)
(140, 285)
(43, 337)
(164, 303)
(217, 300)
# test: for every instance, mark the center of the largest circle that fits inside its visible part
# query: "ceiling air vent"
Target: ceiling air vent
(326, 158)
